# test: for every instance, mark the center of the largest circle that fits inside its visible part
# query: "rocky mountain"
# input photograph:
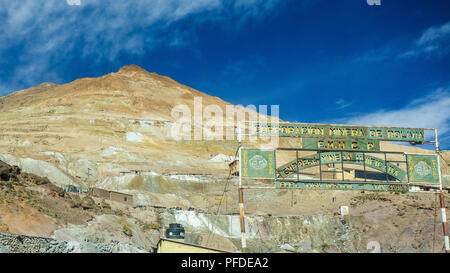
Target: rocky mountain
(115, 132)
(122, 118)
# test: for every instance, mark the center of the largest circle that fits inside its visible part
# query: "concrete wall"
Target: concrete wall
(234, 168)
(113, 196)
(121, 197)
(100, 193)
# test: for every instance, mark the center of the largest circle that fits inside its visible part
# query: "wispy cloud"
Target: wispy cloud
(255, 8)
(341, 103)
(435, 41)
(47, 32)
(432, 111)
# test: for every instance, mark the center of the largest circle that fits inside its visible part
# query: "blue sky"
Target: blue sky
(320, 60)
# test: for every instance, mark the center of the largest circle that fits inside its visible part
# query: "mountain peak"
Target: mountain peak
(47, 84)
(132, 68)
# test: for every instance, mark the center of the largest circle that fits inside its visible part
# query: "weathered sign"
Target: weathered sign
(341, 186)
(423, 168)
(341, 144)
(338, 131)
(335, 157)
(258, 163)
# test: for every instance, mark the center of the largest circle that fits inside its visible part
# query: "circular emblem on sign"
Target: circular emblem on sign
(422, 168)
(258, 162)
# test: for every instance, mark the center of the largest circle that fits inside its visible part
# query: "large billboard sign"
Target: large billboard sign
(343, 145)
(262, 164)
(423, 168)
(339, 131)
(258, 163)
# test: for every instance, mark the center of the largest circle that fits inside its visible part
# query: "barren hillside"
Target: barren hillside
(114, 132)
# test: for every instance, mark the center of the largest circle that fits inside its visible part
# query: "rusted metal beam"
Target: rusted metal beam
(242, 218)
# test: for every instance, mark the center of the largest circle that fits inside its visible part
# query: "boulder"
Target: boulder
(287, 247)
(88, 203)
(4, 249)
(5, 171)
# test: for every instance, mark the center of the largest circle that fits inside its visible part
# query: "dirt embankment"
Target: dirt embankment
(31, 205)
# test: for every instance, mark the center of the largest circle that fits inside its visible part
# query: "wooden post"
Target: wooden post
(242, 216)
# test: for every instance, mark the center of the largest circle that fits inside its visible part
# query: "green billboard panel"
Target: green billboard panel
(341, 144)
(339, 131)
(258, 163)
(423, 168)
(342, 186)
(338, 157)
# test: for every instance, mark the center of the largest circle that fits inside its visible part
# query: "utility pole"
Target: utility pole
(444, 224)
(442, 199)
(241, 195)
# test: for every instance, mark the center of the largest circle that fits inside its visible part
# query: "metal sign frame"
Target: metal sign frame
(282, 182)
(350, 184)
(387, 163)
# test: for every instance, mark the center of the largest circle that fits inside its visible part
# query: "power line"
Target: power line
(225, 190)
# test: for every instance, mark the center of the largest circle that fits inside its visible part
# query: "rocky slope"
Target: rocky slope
(114, 132)
(300, 221)
(34, 207)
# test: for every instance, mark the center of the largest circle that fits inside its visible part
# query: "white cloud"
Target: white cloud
(256, 7)
(434, 34)
(432, 111)
(434, 41)
(49, 31)
(341, 103)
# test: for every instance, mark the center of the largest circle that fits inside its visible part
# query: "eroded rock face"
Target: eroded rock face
(34, 179)
(88, 203)
(316, 233)
(111, 229)
(10, 243)
(15, 174)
